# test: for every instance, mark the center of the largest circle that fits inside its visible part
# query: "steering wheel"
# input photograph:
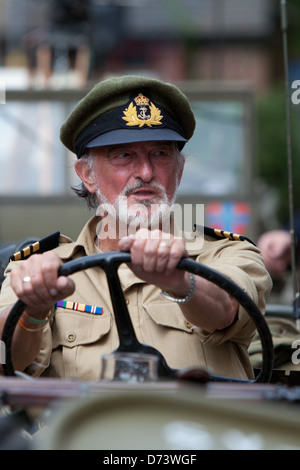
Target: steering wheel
(110, 262)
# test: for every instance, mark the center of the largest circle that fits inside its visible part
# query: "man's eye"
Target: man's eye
(122, 156)
(163, 154)
(160, 153)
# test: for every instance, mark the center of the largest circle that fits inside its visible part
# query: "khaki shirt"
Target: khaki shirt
(75, 342)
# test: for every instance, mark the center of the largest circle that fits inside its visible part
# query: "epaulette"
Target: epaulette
(216, 233)
(40, 246)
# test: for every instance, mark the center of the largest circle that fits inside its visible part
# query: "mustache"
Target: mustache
(140, 184)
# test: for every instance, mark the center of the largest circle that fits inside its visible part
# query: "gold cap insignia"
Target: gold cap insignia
(142, 113)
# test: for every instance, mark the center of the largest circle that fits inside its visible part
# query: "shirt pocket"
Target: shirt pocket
(78, 340)
(169, 315)
(182, 346)
(72, 328)
(167, 330)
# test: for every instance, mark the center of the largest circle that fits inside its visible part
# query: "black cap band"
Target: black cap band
(111, 128)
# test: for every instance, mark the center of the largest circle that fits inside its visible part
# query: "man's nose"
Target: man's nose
(143, 169)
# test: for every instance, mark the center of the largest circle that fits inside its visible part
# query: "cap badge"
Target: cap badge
(143, 113)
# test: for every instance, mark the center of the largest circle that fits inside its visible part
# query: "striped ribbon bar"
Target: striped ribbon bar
(80, 307)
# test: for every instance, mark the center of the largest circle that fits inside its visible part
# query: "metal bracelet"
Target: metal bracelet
(187, 298)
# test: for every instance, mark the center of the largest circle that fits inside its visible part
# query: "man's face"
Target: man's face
(142, 176)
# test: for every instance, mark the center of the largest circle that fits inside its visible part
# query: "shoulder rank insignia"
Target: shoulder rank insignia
(45, 244)
(216, 233)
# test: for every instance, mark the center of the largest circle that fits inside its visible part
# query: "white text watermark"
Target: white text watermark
(296, 354)
(296, 94)
(122, 220)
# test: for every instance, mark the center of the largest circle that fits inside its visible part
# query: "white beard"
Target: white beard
(131, 218)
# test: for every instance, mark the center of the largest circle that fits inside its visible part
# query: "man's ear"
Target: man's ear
(86, 174)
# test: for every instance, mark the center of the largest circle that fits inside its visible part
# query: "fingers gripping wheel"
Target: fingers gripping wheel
(110, 262)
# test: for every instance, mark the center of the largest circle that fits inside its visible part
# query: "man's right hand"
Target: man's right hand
(37, 284)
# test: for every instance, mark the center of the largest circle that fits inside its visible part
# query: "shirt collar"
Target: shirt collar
(84, 245)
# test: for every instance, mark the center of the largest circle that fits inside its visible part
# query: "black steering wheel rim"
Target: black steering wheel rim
(110, 262)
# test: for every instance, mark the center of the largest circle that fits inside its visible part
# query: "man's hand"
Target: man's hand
(275, 247)
(37, 284)
(154, 257)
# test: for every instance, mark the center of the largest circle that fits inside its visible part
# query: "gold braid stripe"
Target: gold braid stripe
(217, 233)
(22, 254)
(230, 235)
(45, 244)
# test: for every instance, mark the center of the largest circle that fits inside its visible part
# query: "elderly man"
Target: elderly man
(128, 134)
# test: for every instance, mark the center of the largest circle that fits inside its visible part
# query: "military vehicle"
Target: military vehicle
(169, 414)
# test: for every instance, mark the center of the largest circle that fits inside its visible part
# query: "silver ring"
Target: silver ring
(26, 279)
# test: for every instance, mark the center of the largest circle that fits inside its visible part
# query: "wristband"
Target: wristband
(36, 321)
(28, 329)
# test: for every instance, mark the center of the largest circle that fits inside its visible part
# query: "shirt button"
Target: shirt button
(188, 325)
(127, 300)
(71, 337)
